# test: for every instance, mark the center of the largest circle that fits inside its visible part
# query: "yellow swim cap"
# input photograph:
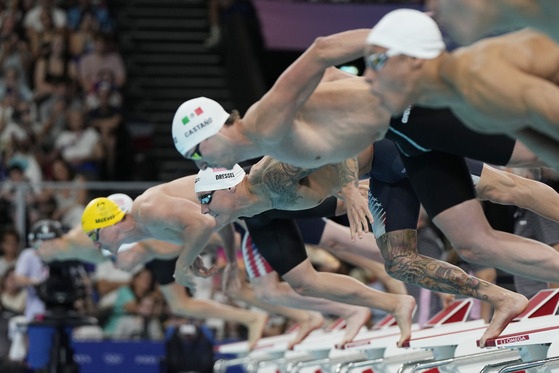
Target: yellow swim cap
(100, 212)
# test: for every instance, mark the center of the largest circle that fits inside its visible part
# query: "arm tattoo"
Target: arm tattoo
(280, 182)
(399, 249)
(348, 171)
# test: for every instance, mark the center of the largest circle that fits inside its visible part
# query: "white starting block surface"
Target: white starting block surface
(370, 348)
(532, 338)
(448, 343)
(271, 355)
(381, 348)
(534, 334)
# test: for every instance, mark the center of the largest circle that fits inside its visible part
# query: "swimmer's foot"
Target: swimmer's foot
(256, 328)
(314, 321)
(511, 305)
(403, 313)
(358, 317)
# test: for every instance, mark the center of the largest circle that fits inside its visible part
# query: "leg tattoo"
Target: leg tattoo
(403, 262)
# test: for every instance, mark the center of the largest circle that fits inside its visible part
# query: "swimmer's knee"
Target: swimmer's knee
(479, 247)
(472, 254)
(265, 296)
(302, 288)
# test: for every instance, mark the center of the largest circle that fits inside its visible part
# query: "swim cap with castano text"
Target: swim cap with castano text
(196, 120)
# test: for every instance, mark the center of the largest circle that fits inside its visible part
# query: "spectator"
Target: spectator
(40, 41)
(93, 65)
(98, 12)
(16, 181)
(82, 40)
(24, 146)
(10, 250)
(32, 19)
(127, 299)
(145, 325)
(105, 81)
(106, 119)
(10, 20)
(80, 145)
(13, 84)
(9, 131)
(13, 297)
(52, 112)
(53, 67)
(108, 279)
(29, 272)
(70, 202)
(15, 53)
(24, 116)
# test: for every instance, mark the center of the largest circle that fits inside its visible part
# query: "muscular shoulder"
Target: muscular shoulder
(518, 48)
(487, 63)
(269, 120)
(148, 207)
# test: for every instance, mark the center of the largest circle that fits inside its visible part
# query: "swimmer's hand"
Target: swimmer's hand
(49, 251)
(357, 211)
(185, 277)
(199, 268)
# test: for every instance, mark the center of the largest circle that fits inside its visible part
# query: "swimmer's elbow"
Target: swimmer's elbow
(319, 49)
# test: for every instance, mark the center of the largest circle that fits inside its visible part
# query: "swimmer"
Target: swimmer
(395, 218)
(296, 121)
(76, 245)
(469, 20)
(497, 85)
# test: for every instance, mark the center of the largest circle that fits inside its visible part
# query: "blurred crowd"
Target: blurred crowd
(60, 102)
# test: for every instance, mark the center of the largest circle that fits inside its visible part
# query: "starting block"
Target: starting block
(271, 355)
(534, 334)
(383, 355)
(458, 351)
(448, 343)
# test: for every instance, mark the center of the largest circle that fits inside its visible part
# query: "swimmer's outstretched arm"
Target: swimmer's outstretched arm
(272, 116)
(74, 245)
(198, 234)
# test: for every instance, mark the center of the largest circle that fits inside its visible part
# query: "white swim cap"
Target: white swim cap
(196, 120)
(125, 203)
(409, 32)
(218, 178)
(122, 200)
